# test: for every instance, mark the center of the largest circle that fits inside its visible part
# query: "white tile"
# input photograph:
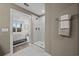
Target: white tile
(32, 50)
(40, 44)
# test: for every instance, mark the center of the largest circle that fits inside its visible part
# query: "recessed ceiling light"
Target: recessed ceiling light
(43, 11)
(26, 4)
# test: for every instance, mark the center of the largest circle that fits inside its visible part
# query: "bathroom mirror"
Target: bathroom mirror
(17, 26)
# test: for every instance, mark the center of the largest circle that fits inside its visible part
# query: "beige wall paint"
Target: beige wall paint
(5, 23)
(56, 44)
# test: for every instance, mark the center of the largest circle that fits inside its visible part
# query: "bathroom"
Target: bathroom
(27, 29)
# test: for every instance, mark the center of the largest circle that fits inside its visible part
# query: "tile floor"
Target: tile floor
(40, 44)
(32, 50)
(20, 47)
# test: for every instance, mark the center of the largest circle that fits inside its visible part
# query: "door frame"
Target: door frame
(11, 30)
(11, 33)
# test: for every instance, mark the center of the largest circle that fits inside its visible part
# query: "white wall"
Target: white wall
(38, 35)
(42, 28)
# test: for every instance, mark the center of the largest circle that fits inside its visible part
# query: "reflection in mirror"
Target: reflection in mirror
(14, 27)
(17, 26)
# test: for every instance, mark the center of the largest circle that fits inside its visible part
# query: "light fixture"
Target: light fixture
(26, 4)
(43, 11)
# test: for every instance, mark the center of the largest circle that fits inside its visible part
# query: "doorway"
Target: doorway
(20, 30)
(26, 29)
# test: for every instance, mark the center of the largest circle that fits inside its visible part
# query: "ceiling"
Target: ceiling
(37, 8)
(17, 15)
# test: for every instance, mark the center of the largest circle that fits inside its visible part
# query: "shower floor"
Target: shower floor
(40, 44)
